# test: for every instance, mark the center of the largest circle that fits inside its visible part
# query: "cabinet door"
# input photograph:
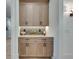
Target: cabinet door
(22, 47)
(36, 16)
(44, 21)
(40, 14)
(29, 14)
(26, 14)
(22, 14)
(39, 47)
(49, 47)
(35, 47)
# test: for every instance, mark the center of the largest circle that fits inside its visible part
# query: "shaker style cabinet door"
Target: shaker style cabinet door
(49, 47)
(26, 14)
(36, 14)
(29, 14)
(35, 47)
(22, 47)
(44, 20)
(22, 14)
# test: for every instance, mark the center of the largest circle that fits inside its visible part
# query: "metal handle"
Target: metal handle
(40, 22)
(44, 44)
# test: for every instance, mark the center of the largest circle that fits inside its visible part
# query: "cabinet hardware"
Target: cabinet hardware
(44, 44)
(24, 30)
(40, 22)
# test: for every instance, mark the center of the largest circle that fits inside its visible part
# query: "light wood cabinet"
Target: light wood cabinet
(33, 13)
(35, 47)
(44, 14)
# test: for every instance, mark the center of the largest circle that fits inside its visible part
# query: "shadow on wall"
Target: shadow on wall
(8, 18)
(8, 27)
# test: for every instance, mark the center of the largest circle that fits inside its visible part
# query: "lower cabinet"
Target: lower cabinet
(35, 47)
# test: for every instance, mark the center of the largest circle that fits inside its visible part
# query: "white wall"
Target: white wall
(14, 28)
(65, 36)
(67, 31)
(68, 37)
(53, 24)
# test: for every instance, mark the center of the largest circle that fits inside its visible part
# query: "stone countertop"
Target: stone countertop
(34, 36)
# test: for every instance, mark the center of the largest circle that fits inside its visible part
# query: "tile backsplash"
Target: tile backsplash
(32, 31)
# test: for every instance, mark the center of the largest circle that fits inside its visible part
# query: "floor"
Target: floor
(8, 48)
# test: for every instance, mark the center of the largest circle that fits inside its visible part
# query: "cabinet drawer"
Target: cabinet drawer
(38, 40)
(22, 48)
(31, 40)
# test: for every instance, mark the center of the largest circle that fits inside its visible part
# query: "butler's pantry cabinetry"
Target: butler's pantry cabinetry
(33, 12)
(33, 21)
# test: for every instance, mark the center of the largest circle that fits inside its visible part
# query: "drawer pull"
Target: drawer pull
(27, 44)
(40, 22)
(44, 44)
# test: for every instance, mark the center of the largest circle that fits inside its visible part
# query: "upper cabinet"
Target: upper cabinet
(34, 12)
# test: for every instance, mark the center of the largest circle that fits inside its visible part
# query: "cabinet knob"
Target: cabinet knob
(40, 22)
